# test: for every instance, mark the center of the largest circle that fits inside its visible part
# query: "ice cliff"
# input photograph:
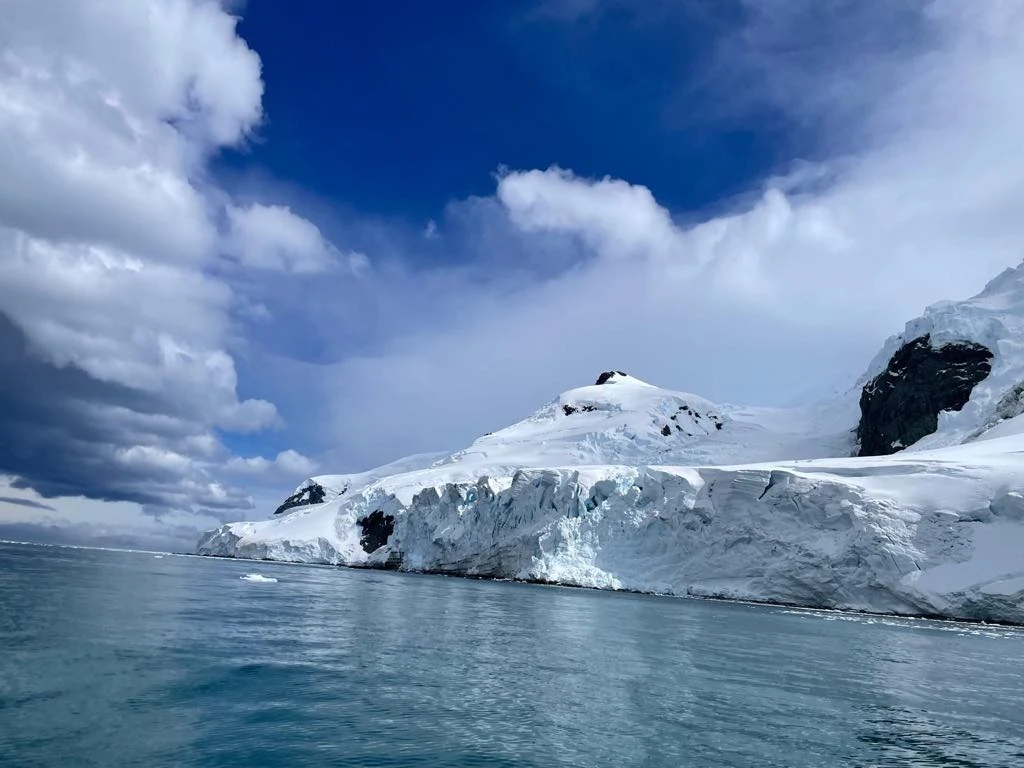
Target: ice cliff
(623, 485)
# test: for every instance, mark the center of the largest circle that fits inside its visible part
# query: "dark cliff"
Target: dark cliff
(902, 404)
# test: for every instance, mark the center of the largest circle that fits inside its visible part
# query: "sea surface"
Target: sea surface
(129, 659)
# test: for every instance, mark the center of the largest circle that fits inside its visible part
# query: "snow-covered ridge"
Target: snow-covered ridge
(994, 320)
(625, 485)
(622, 420)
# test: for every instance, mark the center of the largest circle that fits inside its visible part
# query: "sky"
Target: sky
(243, 243)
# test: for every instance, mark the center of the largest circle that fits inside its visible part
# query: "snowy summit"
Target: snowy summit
(903, 495)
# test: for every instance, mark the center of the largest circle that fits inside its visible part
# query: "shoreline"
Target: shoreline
(545, 583)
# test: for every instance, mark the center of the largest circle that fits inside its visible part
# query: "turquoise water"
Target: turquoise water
(124, 659)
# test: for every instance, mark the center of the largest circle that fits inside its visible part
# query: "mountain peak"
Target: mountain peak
(610, 377)
(618, 377)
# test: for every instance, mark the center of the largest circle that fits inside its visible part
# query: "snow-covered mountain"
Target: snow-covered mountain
(905, 494)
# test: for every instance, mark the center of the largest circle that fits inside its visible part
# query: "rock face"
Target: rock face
(607, 375)
(902, 404)
(569, 410)
(376, 528)
(310, 494)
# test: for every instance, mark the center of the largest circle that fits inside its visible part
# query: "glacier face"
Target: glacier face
(936, 533)
(623, 485)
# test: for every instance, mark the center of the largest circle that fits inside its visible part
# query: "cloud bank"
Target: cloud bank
(118, 323)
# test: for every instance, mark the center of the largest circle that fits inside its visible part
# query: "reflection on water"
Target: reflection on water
(124, 659)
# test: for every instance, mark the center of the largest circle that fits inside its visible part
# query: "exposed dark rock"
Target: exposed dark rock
(604, 377)
(377, 529)
(310, 494)
(569, 410)
(666, 430)
(902, 404)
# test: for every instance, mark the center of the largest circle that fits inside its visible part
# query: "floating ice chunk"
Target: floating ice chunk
(258, 577)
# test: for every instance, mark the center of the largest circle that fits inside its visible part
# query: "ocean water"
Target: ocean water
(126, 659)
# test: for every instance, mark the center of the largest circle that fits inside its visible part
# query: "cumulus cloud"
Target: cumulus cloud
(119, 325)
(612, 216)
(106, 109)
(273, 237)
(290, 462)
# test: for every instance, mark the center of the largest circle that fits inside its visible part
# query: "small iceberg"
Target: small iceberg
(158, 557)
(258, 577)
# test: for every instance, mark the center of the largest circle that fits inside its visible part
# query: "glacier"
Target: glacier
(625, 485)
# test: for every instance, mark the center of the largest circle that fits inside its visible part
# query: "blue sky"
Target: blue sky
(416, 105)
(242, 243)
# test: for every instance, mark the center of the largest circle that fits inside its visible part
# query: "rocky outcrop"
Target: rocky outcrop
(376, 529)
(605, 377)
(308, 494)
(902, 404)
(569, 410)
(686, 410)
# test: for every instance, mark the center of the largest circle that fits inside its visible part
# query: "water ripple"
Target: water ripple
(116, 659)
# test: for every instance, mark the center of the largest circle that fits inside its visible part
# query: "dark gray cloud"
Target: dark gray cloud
(65, 433)
(26, 503)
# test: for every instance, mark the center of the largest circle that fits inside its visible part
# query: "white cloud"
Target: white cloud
(114, 303)
(172, 59)
(289, 462)
(611, 216)
(150, 458)
(295, 463)
(87, 90)
(272, 237)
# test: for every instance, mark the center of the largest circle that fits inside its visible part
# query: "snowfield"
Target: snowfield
(623, 485)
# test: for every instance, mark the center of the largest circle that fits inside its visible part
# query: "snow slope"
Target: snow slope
(621, 421)
(624, 485)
